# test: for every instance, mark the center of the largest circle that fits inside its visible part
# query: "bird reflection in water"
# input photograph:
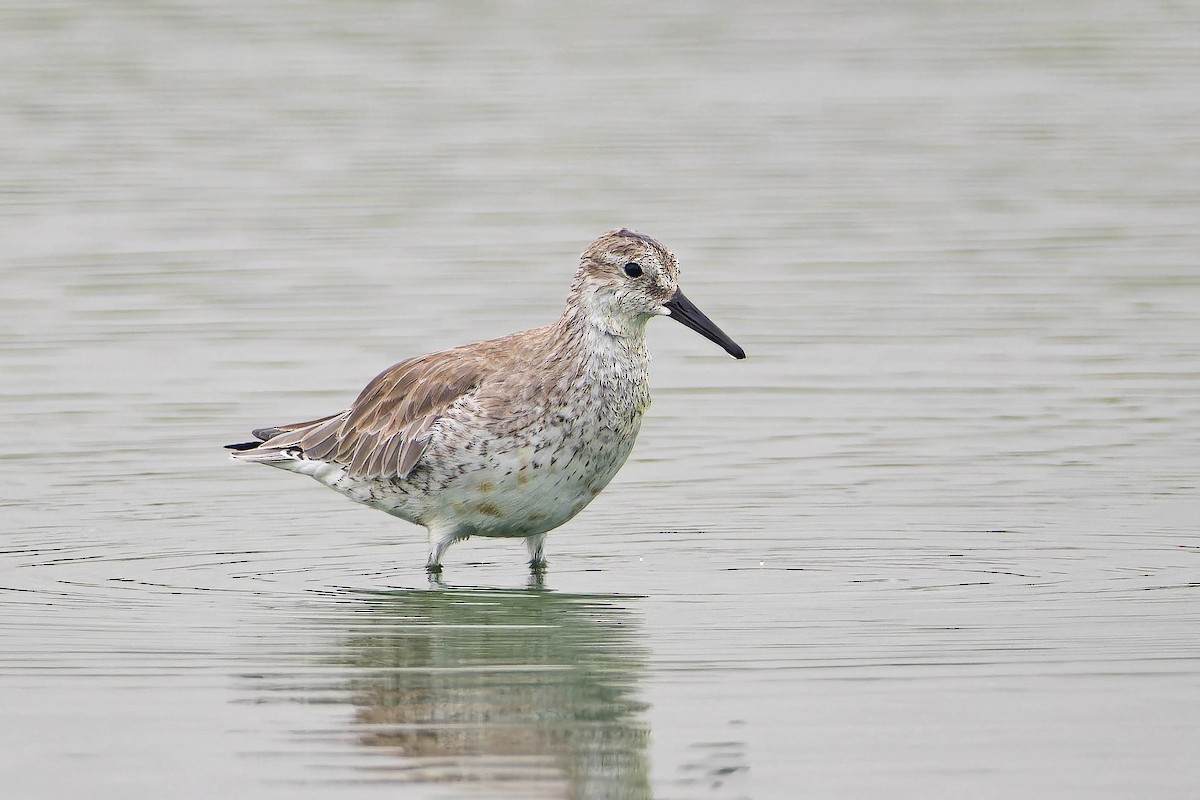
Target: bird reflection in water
(532, 692)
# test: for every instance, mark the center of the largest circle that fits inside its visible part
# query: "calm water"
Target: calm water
(936, 537)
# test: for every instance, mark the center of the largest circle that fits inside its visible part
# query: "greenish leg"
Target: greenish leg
(438, 542)
(537, 556)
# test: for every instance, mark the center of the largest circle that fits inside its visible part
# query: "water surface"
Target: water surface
(937, 536)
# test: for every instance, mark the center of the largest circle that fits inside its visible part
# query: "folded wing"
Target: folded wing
(384, 433)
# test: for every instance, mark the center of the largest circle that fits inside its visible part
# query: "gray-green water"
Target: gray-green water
(936, 537)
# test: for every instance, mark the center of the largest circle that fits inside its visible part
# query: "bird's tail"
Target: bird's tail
(273, 447)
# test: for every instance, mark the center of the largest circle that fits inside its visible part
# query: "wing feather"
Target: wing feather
(386, 430)
(417, 436)
(264, 434)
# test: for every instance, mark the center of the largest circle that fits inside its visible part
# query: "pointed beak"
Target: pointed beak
(686, 312)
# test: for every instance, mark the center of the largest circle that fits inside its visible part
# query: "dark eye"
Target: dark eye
(633, 269)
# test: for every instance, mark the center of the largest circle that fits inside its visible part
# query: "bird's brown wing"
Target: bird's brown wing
(383, 434)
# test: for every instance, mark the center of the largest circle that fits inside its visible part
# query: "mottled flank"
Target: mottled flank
(536, 422)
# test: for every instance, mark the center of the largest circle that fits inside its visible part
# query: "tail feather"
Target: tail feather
(276, 448)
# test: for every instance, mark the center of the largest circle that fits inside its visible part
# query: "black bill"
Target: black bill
(686, 312)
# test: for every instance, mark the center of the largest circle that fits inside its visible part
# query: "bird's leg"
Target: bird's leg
(438, 542)
(537, 556)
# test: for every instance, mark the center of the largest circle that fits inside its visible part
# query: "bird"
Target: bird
(509, 437)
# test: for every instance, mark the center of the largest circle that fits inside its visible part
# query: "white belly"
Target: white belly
(526, 491)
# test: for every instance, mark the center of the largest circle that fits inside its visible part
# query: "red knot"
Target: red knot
(510, 437)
